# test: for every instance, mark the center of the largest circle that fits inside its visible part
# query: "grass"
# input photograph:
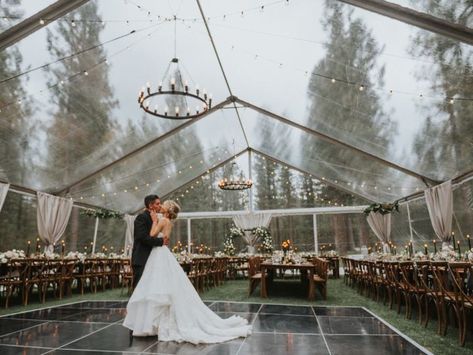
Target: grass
(290, 293)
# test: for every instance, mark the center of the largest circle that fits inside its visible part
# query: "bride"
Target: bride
(166, 304)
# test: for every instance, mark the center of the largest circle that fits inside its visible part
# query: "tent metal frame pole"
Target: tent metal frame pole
(212, 42)
(416, 18)
(426, 180)
(32, 24)
(312, 174)
(410, 222)
(250, 191)
(316, 236)
(189, 238)
(142, 148)
(95, 234)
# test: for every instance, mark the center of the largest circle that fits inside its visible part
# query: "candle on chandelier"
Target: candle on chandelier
(173, 84)
(160, 86)
(186, 87)
(177, 110)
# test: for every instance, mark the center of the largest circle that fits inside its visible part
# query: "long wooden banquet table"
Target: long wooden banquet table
(307, 272)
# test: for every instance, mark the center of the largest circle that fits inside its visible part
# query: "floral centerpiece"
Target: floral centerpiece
(286, 245)
(330, 253)
(446, 254)
(263, 233)
(11, 254)
(76, 255)
(469, 255)
(228, 246)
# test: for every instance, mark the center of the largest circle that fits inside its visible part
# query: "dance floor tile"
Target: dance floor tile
(248, 316)
(290, 310)
(17, 350)
(282, 344)
(370, 345)
(51, 334)
(353, 325)
(8, 325)
(235, 307)
(342, 311)
(49, 314)
(113, 338)
(172, 348)
(99, 315)
(285, 324)
(93, 304)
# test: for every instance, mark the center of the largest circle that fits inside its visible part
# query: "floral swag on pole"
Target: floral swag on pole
(101, 213)
(382, 208)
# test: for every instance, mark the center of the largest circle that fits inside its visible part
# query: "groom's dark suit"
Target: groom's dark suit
(142, 245)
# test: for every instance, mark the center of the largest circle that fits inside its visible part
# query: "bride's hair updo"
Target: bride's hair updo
(172, 208)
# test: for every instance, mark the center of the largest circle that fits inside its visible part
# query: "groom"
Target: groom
(143, 241)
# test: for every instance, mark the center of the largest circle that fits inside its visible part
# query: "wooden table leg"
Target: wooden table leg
(264, 292)
(311, 296)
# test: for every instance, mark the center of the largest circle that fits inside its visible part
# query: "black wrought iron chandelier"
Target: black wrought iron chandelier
(174, 98)
(237, 183)
(177, 91)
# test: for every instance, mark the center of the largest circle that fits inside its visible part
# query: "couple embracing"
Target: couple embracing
(164, 301)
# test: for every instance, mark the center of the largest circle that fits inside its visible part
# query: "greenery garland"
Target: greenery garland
(264, 234)
(101, 213)
(383, 208)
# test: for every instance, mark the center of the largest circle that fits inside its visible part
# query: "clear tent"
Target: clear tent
(319, 87)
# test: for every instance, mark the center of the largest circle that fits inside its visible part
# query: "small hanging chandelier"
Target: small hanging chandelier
(173, 98)
(237, 183)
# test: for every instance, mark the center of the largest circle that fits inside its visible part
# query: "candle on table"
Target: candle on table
(425, 249)
(453, 240)
(395, 250)
(469, 242)
(28, 249)
(459, 251)
(435, 246)
(63, 246)
(37, 245)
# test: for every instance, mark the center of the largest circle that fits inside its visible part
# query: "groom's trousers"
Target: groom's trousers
(137, 272)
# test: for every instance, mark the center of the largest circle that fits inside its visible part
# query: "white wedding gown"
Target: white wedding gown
(166, 304)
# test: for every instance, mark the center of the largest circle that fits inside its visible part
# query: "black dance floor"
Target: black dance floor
(95, 328)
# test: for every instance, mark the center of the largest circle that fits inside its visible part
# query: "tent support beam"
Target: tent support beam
(142, 148)
(222, 163)
(416, 18)
(204, 18)
(426, 180)
(31, 24)
(307, 172)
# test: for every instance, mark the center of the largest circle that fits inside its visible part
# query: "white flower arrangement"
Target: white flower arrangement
(75, 255)
(263, 233)
(446, 254)
(469, 255)
(331, 253)
(228, 246)
(11, 254)
(98, 256)
(219, 254)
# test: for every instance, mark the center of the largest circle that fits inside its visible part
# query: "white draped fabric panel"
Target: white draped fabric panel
(52, 215)
(130, 227)
(381, 226)
(3, 193)
(439, 201)
(252, 220)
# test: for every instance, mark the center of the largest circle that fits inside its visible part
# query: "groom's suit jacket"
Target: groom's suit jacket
(143, 242)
